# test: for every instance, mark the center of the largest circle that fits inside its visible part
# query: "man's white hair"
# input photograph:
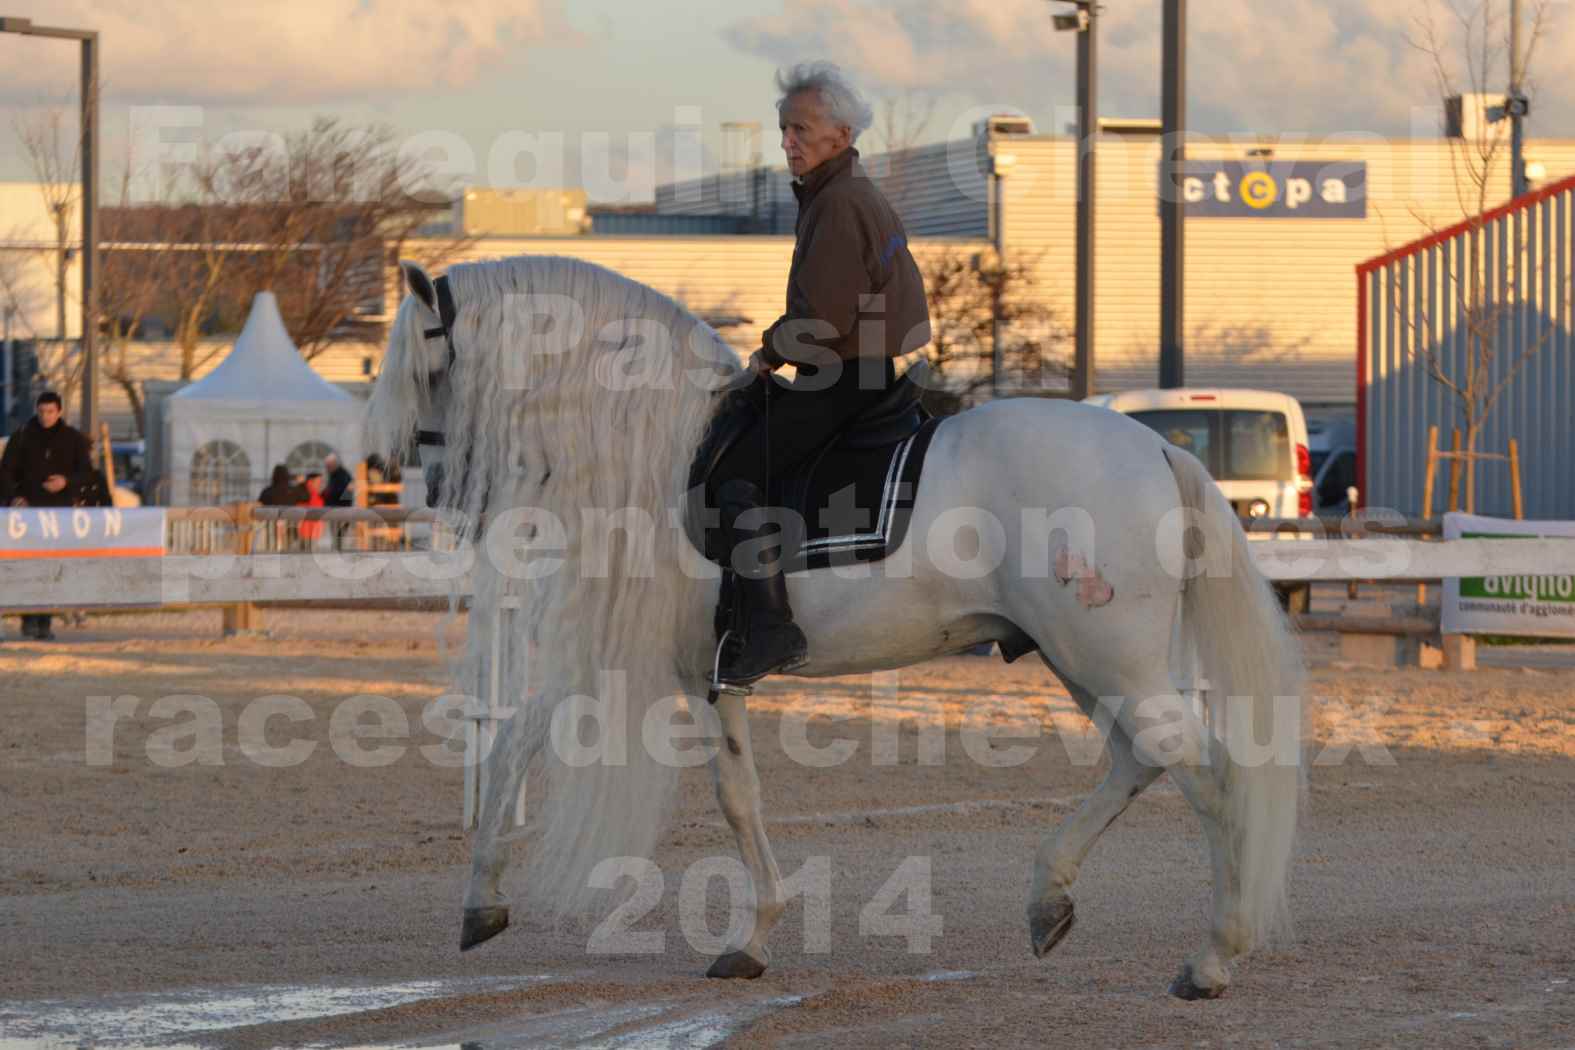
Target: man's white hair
(843, 102)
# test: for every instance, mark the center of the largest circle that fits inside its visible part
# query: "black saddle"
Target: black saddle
(850, 501)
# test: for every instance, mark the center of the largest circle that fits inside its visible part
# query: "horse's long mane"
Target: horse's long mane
(580, 431)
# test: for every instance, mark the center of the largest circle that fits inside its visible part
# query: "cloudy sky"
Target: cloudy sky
(524, 92)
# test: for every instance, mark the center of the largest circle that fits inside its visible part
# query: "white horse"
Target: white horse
(573, 400)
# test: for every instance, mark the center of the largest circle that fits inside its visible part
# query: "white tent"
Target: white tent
(263, 405)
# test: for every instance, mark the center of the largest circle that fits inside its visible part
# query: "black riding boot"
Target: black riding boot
(772, 641)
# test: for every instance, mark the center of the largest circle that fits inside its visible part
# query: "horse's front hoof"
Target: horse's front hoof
(1048, 922)
(1185, 987)
(736, 966)
(481, 925)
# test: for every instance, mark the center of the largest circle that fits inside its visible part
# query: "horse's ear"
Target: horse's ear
(419, 283)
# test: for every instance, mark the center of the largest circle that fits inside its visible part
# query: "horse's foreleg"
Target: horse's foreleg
(738, 792)
(1062, 852)
(486, 907)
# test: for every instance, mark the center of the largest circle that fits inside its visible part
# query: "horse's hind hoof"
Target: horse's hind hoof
(736, 966)
(481, 925)
(1185, 987)
(1048, 922)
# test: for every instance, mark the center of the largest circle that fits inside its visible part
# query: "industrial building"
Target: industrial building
(1276, 229)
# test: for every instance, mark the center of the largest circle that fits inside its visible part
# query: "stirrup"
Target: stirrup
(718, 687)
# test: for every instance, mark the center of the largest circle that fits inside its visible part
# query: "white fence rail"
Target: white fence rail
(220, 579)
(86, 583)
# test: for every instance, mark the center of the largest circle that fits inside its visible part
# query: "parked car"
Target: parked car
(1253, 442)
(1331, 446)
(129, 457)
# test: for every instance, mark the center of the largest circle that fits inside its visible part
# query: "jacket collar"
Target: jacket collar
(808, 185)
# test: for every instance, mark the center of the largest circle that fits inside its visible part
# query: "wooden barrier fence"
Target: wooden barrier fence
(242, 555)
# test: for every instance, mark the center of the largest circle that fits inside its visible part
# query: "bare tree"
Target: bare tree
(979, 302)
(335, 210)
(52, 149)
(1469, 48)
(1467, 45)
(900, 123)
(52, 154)
(127, 296)
(319, 220)
(17, 296)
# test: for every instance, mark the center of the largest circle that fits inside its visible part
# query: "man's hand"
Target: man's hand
(19, 502)
(758, 363)
(54, 483)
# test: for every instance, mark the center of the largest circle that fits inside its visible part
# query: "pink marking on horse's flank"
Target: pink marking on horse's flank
(1093, 590)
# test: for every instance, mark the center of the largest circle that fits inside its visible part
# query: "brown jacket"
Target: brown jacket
(854, 289)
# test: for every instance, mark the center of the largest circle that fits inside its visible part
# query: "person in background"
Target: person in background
(281, 490)
(311, 531)
(46, 464)
(379, 472)
(337, 491)
(93, 489)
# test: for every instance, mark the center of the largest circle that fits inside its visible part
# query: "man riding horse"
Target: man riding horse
(855, 300)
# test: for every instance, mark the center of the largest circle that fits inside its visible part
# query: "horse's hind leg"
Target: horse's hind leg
(738, 792)
(1169, 736)
(1206, 974)
(1152, 730)
(1061, 854)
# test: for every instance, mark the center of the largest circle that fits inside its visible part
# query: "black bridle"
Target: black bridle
(446, 314)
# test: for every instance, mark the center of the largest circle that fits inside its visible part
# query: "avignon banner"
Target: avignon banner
(1543, 606)
(81, 532)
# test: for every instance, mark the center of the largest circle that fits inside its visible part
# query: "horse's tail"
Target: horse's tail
(1252, 668)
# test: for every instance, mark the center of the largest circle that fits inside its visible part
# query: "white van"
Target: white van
(1253, 442)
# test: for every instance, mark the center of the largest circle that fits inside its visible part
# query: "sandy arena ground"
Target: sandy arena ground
(242, 906)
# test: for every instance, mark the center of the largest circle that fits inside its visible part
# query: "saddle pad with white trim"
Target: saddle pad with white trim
(855, 504)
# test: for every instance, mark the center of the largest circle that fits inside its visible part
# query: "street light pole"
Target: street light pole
(1172, 264)
(90, 256)
(1517, 105)
(1085, 22)
(88, 38)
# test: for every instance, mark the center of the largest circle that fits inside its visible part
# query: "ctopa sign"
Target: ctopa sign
(1233, 189)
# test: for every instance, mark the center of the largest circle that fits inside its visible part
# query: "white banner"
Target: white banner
(81, 532)
(1542, 605)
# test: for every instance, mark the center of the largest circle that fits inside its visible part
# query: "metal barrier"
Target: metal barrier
(1471, 327)
(251, 527)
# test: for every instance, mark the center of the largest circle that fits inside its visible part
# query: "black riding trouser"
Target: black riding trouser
(803, 416)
